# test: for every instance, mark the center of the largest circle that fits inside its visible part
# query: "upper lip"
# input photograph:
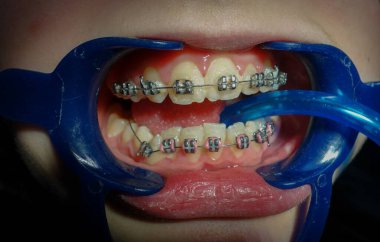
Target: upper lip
(240, 38)
(234, 41)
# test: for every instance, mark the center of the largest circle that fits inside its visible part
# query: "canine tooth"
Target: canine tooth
(187, 71)
(143, 134)
(156, 156)
(127, 132)
(215, 130)
(172, 133)
(145, 150)
(219, 67)
(195, 132)
(152, 74)
(248, 72)
(115, 125)
(232, 132)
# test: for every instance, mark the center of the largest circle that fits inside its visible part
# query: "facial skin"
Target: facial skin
(42, 32)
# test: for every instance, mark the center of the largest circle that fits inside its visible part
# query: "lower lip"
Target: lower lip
(227, 193)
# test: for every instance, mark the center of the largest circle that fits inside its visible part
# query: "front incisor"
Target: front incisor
(196, 132)
(221, 66)
(187, 71)
(215, 130)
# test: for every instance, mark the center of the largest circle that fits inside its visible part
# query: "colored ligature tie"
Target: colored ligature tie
(270, 77)
(212, 144)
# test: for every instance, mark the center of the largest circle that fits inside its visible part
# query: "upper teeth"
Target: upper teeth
(222, 82)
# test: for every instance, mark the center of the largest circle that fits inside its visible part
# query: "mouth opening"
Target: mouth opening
(209, 169)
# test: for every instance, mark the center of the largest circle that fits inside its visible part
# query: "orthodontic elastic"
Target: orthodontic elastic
(271, 77)
(212, 144)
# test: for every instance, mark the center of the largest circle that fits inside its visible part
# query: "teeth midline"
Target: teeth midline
(212, 144)
(270, 77)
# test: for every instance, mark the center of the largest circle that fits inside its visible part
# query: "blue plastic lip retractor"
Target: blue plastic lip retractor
(64, 102)
(342, 106)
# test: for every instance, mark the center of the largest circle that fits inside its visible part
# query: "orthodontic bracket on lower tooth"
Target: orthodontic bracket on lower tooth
(212, 144)
(270, 77)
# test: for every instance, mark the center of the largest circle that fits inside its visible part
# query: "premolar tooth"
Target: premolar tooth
(233, 131)
(142, 134)
(248, 72)
(115, 125)
(190, 133)
(187, 71)
(215, 130)
(170, 135)
(250, 128)
(268, 74)
(152, 74)
(128, 133)
(220, 68)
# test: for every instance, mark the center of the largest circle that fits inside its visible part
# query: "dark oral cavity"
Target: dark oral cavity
(211, 190)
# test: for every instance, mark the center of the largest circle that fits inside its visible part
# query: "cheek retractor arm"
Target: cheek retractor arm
(341, 105)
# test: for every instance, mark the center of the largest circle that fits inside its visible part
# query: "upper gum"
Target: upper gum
(203, 66)
(201, 58)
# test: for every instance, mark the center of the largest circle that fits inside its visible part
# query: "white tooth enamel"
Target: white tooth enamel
(215, 130)
(250, 128)
(115, 125)
(151, 74)
(187, 71)
(221, 66)
(128, 133)
(248, 72)
(143, 133)
(174, 133)
(155, 156)
(197, 133)
(232, 132)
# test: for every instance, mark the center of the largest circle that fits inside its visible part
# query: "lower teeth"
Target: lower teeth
(212, 144)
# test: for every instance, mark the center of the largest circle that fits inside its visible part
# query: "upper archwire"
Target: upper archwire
(270, 77)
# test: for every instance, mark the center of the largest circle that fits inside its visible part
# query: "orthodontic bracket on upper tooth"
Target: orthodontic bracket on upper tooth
(270, 77)
(212, 144)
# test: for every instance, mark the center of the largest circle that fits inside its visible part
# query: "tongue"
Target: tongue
(161, 116)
